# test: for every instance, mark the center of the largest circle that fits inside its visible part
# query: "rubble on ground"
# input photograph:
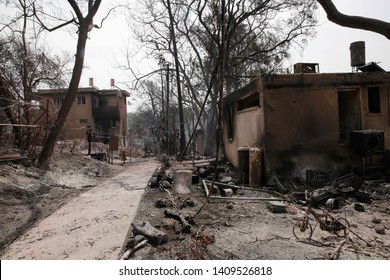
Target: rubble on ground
(217, 198)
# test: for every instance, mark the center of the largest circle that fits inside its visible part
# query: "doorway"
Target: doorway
(349, 114)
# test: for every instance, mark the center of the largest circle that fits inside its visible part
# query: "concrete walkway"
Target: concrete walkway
(91, 226)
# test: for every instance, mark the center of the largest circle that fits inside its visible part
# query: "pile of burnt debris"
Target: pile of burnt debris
(317, 189)
(321, 188)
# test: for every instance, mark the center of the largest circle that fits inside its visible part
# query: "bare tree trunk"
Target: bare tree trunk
(85, 23)
(177, 68)
(7, 103)
(71, 94)
(26, 91)
(209, 146)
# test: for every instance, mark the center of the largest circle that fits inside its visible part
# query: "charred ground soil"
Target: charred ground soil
(245, 226)
(223, 228)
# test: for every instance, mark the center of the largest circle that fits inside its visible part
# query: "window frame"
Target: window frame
(81, 100)
(374, 100)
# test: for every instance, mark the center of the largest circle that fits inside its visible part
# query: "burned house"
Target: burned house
(309, 120)
(103, 112)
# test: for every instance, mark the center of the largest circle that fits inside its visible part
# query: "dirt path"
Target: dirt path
(91, 226)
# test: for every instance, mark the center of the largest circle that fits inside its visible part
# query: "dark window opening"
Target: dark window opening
(249, 102)
(58, 101)
(349, 115)
(374, 100)
(81, 100)
(230, 120)
(102, 101)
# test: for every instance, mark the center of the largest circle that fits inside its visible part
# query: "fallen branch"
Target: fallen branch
(314, 242)
(335, 254)
(129, 252)
(358, 252)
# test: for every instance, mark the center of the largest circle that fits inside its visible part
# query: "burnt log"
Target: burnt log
(186, 227)
(150, 232)
(362, 197)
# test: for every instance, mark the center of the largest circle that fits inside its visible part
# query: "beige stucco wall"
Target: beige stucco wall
(74, 129)
(246, 133)
(248, 124)
(297, 122)
(380, 121)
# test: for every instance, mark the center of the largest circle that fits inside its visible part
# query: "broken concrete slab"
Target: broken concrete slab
(276, 206)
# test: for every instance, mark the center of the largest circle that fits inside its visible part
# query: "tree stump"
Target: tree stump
(182, 180)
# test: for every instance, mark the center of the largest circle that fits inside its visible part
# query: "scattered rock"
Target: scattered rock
(376, 220)
(166, 184)
(153, 182)
(230, 205)
(187, 203)
(380, 229)
(359, 207)
(163, 203)
(276, 206)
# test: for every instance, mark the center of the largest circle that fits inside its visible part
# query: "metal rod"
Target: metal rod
(247, 198)
(238, 198)
(240, 187)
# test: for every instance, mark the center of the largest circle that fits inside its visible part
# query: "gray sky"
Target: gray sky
(330, 48)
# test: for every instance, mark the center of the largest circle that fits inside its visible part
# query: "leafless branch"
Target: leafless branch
(358, 22)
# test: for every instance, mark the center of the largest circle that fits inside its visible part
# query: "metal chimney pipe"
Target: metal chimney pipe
(91, 82)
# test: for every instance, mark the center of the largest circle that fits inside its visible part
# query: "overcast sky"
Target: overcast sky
(330, 48)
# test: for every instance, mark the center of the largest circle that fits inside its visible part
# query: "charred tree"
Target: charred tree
(178, 85)
(85, 25)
